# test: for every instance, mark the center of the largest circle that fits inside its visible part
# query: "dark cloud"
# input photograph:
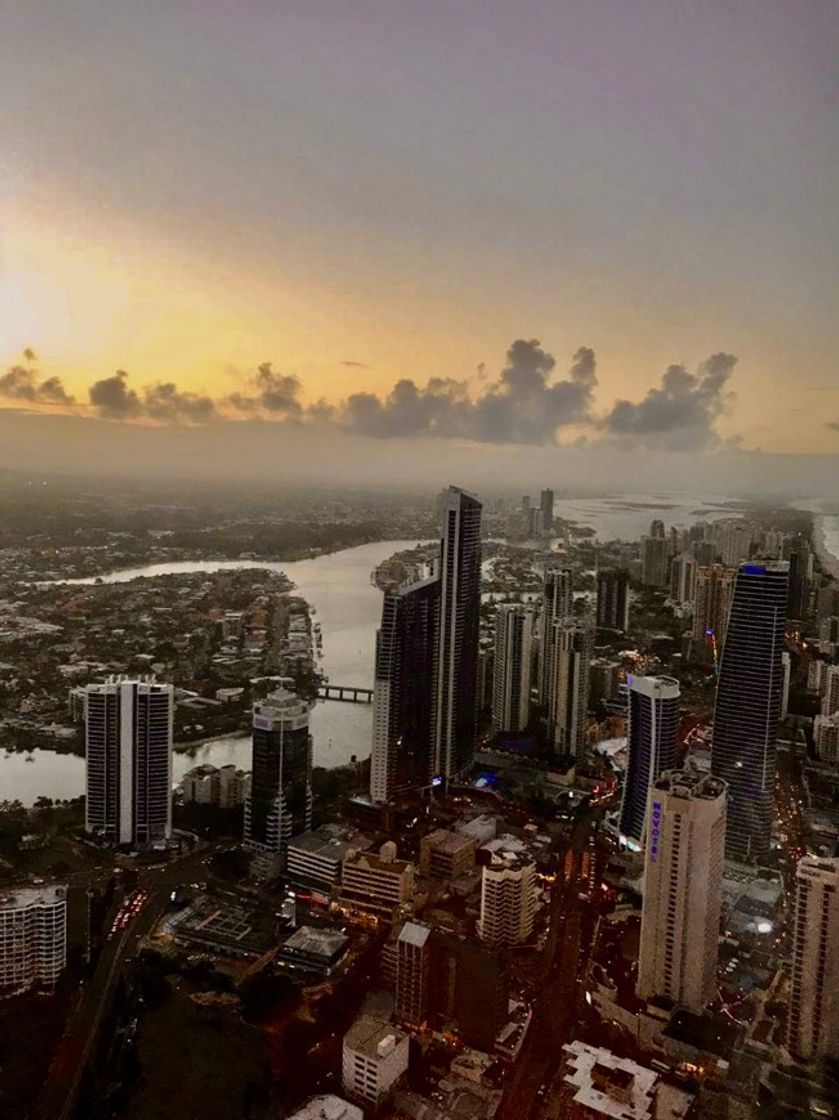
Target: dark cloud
(20, 383)
(522, 406)
(682, 412)
(833, 425)
(30, 355)
(113, 399)
(355, 365)
(269, 392)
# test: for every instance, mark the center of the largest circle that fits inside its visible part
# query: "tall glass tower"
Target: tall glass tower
(748, 705)
(652, 738)
(456, 697)
(403, 692)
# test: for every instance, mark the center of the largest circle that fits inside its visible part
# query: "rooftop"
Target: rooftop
(609, 1085)
(317, 942)
(327, 1108)
(373, 1037)
(39, 894)
(330, 841)
(414, 934)
(451, 842)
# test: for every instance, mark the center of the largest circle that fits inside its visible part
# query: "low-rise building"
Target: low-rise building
(375, 1058)
(447, 855)
(380, 885)
(33, 937)
(599, 1083)
(315, 951)
(221, 786)
(315, 858)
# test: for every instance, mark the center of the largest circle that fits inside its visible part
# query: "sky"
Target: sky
(387, 230)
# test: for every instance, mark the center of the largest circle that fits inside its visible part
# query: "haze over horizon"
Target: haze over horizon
(330, 241)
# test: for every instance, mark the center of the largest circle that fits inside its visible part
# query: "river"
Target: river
(337, 585)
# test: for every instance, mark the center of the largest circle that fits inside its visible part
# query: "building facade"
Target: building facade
(375, 1058)
(654, 561)
(748, 706)
(377, 884)
(33, 938)
(683, 874)
(557, 606)
(813, 1020)
(652, 737)
(413, 973)
(128, 760)
(279, 805)
(512, 666)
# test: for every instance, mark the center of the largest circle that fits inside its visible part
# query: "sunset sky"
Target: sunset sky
(363, 192)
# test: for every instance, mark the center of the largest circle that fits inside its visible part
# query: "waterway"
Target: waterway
(348, 607)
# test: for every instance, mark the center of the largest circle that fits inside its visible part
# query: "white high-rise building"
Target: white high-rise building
(128, 748)
(508, 895)
(33, 937)
(511, 682)
(569, 655)
(683, 873)
(826, 738)
(813, 1022)
(830, 690)
(557, 606)
(682, 578)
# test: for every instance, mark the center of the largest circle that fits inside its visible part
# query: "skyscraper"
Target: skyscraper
(748, 706)
(128, 759)
(683, 872)
(813, 1019)
(714, 587)
(511, 685)
(279, 805)
(613, 599)
(568, 655)
(653, 717)
(800, 555)
(682, 578)
(830, 690)
(654, 559)
(457, 661)
(546, 505)
(657, 529)
(403, 690)
(557, 604)
(413, 973)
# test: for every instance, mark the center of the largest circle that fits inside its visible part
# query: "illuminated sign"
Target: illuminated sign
(655, 831)
(437, 781)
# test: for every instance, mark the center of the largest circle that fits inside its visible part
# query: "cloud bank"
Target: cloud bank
(526, 404)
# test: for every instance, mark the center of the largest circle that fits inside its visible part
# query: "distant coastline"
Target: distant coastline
(826, 541)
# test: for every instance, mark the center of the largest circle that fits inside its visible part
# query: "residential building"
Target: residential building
(413, 973)
(279, 804)
(402, 759)
(511, 685)
(713, 590)
(456, 692)
(654, 561)
(314, 859)
(613, 599)
(446, 855)
(546, 508)
(469, 987)
(313, 951)
(733, 540)
(682, 578)
(128, 760)
(380, 885)
(652, 736)
(786, 673)
(33, 937)
(826, 738)
(798, 551)
(830, 690)
(601, 1084)
(748, 706)
(569, 656)
(375, 1059)
(557, 605)
(813, 1019)
(221, 786)
(683, 874)
(508, 895)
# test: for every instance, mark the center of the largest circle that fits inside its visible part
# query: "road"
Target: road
(61, 1087)
(554, 1015)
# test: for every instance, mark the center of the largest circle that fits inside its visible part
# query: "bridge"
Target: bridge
(349, 693)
